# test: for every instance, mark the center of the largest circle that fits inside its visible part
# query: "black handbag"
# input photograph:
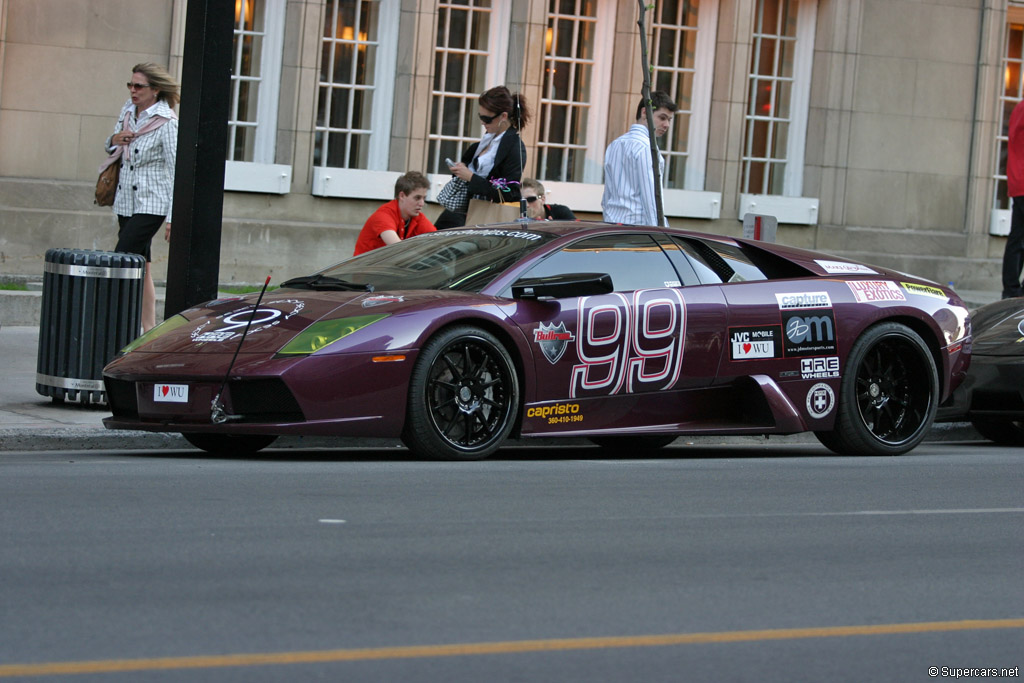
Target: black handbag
(454, 196)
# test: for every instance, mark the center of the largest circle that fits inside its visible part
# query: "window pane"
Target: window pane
(673, 40)
(348, 65)
(461, 60)
(566, 90)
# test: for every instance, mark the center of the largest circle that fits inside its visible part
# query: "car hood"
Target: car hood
(217, 326)
(999, 329)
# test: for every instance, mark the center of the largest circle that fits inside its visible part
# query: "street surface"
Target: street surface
(706, 563)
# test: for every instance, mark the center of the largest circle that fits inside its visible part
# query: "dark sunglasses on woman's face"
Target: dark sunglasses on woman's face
(136, 86)
(488, 119)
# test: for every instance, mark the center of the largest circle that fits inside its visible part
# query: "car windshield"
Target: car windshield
(465, 260)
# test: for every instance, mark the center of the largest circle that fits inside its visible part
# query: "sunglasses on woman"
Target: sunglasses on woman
(488, 119)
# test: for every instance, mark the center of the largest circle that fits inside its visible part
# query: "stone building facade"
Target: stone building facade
(873, 129)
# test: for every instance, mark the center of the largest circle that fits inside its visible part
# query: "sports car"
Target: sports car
(991, 397)
(455, 341)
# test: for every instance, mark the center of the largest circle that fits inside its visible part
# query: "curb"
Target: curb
(96, 438)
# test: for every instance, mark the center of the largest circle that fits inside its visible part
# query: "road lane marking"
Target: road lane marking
(493, 648)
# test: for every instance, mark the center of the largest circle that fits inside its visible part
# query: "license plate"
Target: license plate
(170, 393)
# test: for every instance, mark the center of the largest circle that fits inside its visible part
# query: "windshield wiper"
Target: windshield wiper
(325, 282)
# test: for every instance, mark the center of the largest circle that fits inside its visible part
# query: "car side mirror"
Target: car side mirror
(562, 286)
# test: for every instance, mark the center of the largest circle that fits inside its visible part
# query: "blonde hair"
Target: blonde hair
(535, 185)
(167, 88)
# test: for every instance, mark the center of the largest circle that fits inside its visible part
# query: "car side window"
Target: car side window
(719, 262)
(634, 261)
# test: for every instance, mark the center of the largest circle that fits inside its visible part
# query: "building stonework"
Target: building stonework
(900, 112)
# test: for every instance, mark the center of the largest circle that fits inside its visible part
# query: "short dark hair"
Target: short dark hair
(411, 181)
(659, 99)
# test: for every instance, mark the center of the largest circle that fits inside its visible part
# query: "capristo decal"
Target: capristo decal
(844, 268)
(924, 290)
(866, 291)
(619, 351)
(558, 413)
(810, 333)
(819, 368)
(381, 299)
(228, 326)
(552, 340)
(752, 343)
(799, 300)
(820, 400)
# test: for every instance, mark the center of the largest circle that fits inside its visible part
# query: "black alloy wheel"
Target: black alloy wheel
(888, 395)
(463, 396)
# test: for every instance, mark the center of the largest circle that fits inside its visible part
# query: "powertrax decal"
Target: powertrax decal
(924, 290)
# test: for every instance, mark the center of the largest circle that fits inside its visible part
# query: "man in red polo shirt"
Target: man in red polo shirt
(1013, 255)
(398, 219)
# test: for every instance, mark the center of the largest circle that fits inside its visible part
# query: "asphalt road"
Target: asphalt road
(733, 563)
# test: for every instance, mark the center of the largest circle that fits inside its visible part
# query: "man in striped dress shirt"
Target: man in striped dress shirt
(628, 171)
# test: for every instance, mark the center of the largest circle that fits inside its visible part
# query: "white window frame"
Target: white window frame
(497, 63)
(703, 77)
(331, 181)
(790, 206)
(999, 221)
(262, 174)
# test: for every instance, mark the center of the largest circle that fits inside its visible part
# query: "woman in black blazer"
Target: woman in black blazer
(499, 156)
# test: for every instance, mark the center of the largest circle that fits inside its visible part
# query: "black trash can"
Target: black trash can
(92, 308)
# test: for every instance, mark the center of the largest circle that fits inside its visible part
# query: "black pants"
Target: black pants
(135, 234)
(1013, 256)
(450, 219)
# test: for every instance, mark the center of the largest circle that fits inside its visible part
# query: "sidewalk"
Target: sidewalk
(32, 422)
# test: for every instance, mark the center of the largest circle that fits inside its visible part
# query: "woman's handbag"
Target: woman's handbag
(454, 196)
(106, 184)
(483, 212)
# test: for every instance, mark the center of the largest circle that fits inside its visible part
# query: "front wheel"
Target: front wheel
(463, 396)
(230, 444)
(888, 395)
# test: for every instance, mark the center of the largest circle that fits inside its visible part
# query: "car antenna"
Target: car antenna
(217, 413)
(523, 218)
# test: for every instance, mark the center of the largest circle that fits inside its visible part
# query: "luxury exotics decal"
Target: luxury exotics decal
(381, 300)
(228, 326)
(623, 344)
(866, 291)
(752, 343)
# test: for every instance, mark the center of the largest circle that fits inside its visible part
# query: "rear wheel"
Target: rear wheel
(230, 444)
(463, 396)
(1003, 432)
(888, 395)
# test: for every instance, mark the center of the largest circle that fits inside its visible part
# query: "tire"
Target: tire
(888, 395)
(630, 445)
(228, 444)
(463, 396)
(1003, 432)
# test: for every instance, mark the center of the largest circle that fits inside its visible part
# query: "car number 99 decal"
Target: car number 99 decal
(617, 352)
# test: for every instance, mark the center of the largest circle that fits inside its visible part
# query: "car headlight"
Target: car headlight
(172, 323)
(320, 334)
